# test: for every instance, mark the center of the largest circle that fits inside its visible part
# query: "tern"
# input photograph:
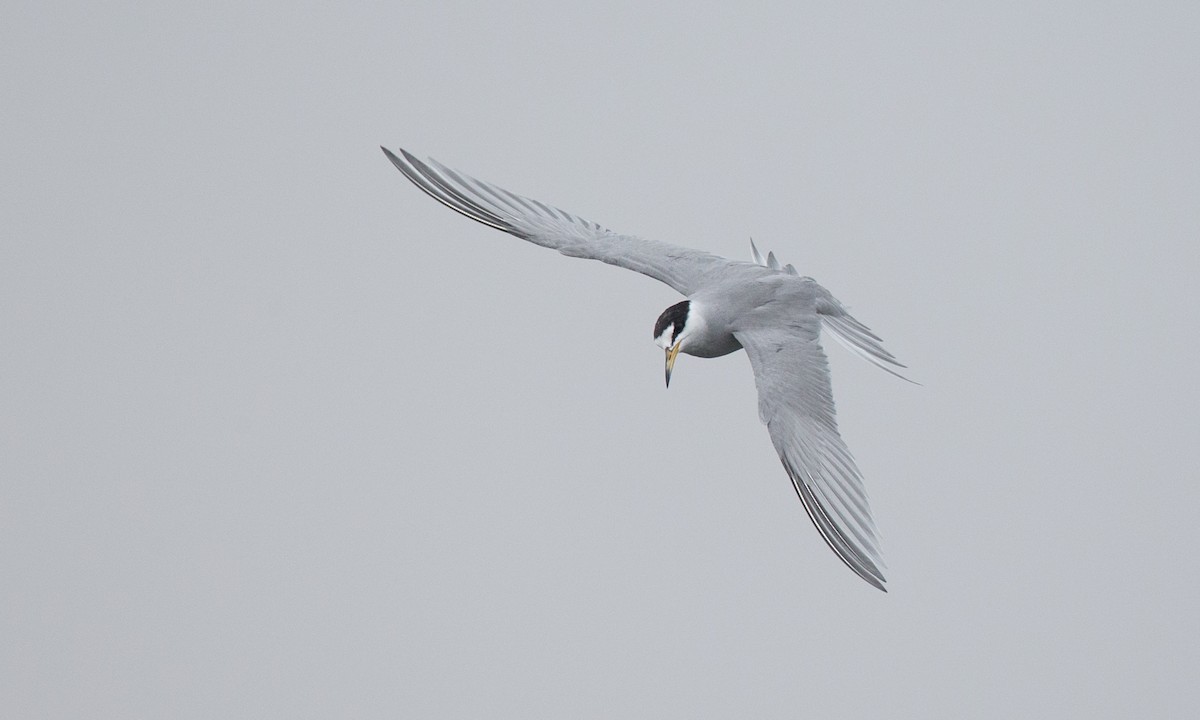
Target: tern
(768, 310)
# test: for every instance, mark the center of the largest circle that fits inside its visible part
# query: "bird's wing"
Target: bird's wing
(854, 336)
(795, 401)
(539, 223)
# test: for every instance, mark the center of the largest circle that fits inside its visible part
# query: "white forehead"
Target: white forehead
(667, 337)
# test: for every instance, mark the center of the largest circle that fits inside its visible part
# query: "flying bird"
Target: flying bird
(768, 310)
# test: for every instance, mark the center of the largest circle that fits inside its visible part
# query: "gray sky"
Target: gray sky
(282, 437)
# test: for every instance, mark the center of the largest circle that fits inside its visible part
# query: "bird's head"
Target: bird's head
(671, 331)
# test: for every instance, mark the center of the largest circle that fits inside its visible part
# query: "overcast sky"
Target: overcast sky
(282, 437)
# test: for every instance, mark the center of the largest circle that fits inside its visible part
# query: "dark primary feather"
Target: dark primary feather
(795, 400)
(681, 268)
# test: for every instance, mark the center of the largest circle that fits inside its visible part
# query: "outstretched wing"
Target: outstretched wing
(539, 223)
(795, 400)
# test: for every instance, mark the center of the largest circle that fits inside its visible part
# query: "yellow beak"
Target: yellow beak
(671, 355)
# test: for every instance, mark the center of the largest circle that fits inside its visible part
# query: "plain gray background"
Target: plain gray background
(282, 437)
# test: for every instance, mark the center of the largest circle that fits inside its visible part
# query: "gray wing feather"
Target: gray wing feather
(795, 400)
(856, 337)
(848, 331)
(542, 224)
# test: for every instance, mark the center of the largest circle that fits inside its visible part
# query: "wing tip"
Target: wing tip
(854, 558)
(879, 582)
(390, 156)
